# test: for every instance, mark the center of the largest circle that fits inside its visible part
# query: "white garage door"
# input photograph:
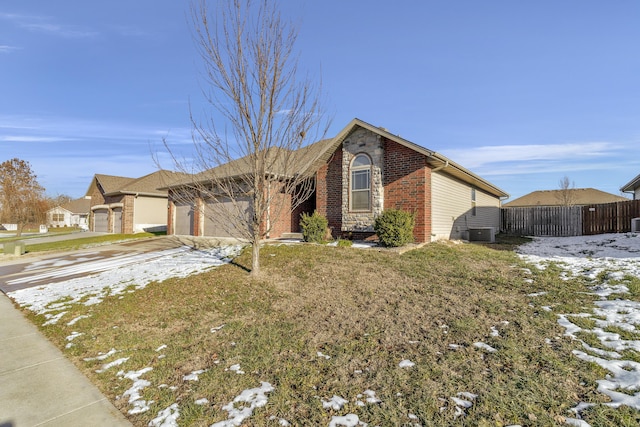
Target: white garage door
(184, 219)
(117, 220)
(101, 220)
(221, 217)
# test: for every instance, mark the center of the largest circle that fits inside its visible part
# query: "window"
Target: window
(361, 183)
(57, 217)
(473, 202)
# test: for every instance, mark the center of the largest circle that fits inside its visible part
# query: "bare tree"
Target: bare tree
(566, 194)
(251, 150)
(22, 199)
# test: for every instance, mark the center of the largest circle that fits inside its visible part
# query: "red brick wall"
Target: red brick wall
(407, 186)
(170, 209)
(329, 192)
(281, 216)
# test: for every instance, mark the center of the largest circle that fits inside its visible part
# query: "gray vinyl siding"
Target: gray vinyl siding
(452, 215)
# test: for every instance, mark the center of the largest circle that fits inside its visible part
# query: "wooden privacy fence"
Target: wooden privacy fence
(542, 221)
(609, 217)
(571, 220)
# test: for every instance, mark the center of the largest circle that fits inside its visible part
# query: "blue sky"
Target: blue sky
(520, 92)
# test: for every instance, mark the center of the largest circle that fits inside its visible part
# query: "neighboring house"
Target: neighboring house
(568, 197)
(71, 214)
(129, 205)
(363, 171)
(633, 186)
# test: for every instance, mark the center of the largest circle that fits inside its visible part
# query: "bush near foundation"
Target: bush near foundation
(314, 227)
(394, 227)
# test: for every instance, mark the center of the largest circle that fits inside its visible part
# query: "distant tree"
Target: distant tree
(566, 195)
(22, 199)
(262, 114)
(59, 200)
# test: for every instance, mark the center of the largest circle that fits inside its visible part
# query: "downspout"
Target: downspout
(446, 164)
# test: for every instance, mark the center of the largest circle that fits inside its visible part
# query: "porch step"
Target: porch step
(291, 236)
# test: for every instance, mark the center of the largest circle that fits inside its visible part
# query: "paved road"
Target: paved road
(36, 270)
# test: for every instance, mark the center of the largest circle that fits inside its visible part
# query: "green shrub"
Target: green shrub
(394, 227)
(342, 243)
(314, 227)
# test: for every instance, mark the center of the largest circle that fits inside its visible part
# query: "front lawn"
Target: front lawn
(444, 335)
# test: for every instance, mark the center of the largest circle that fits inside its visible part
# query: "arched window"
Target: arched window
(361, 183)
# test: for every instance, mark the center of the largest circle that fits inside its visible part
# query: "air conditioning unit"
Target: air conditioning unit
(635, 225)
(482, 234)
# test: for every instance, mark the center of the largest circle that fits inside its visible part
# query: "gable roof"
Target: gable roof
(78, 206)
(148, 185)
(311, 157)
(630, 186)
(578, 197)
(436, 160)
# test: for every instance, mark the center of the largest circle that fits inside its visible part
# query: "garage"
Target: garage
(184, 219)
(219, 214)
(101, 220)
(117, 220)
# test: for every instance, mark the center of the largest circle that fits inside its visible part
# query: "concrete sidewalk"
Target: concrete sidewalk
(39, 386)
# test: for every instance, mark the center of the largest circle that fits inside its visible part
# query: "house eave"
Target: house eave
(631, 185)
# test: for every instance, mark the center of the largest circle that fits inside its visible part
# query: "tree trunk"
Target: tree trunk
(255, 257)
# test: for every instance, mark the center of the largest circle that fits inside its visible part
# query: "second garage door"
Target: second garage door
(221, 215)
(101, 220)
(184, 219)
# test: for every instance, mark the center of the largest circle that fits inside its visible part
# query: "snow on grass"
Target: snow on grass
(406, 363)
(243, 405)
(113, 276)
(110, 365)
(135, 399)
(484, 346)
(102, 356)
(602, 259)
(336, 403)
(194, 376)
(167, 417)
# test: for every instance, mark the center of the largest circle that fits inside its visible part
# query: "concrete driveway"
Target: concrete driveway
(38, 269)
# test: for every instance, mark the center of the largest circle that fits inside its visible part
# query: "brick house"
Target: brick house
(129, 205)
(366, 169)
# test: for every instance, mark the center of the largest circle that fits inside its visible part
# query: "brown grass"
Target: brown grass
(367, 310)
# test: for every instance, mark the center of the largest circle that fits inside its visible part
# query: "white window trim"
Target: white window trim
(353, 169)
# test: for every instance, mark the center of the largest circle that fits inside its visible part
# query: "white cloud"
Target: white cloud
(6, 48)
(43, 25)
(475, 157)
(26, 138)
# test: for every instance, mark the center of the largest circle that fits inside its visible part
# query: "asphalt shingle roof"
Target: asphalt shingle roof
(577, 196)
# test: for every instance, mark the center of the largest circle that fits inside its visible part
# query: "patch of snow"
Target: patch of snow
(235, 368)
(243, 405)
(349, 420)
(406, 363)
(101, 356)
(139, 405)
(168, 417)
(203, 401)
(193, 376)
(485, 347)
(74, 321)
(336, 403)
(319, 354)
(109, 365)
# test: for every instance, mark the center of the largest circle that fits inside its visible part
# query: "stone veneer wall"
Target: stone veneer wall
(367, 142)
